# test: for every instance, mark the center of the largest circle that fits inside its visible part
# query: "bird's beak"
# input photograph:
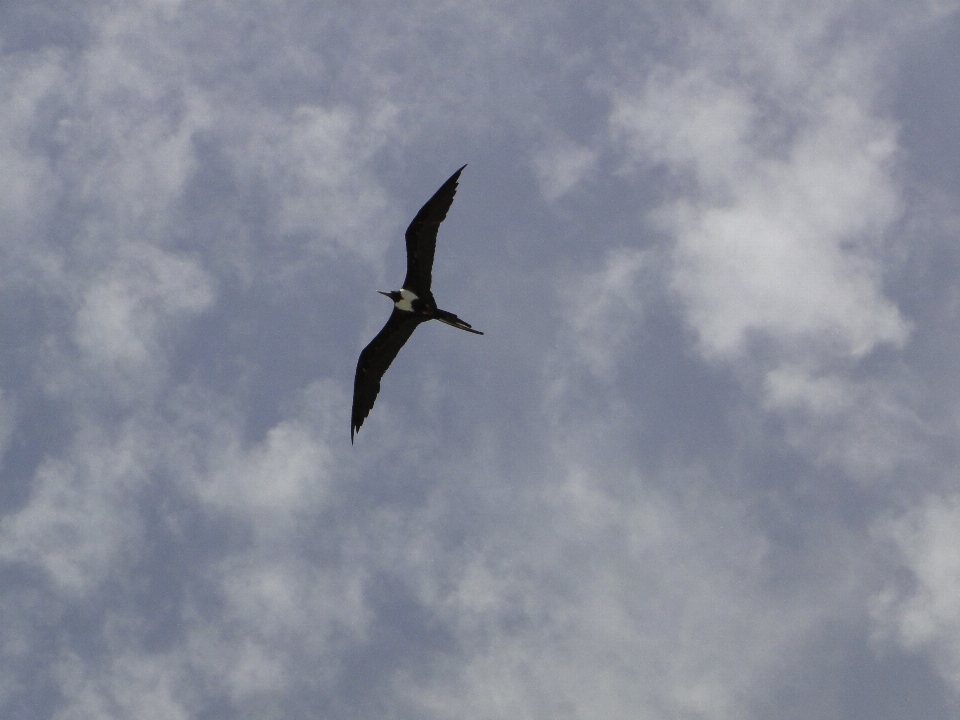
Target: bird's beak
(385, 294)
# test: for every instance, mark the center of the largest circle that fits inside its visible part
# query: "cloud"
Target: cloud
(122, 316)
(652, 490)
(604, 309)
(29, 187)
(624, 602)
(81, 520)
(786, 242)
(147, 687)
(314, 165)
(923, 615)
(781, 202)
(562, 167)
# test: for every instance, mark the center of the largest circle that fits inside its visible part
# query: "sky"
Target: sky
(702, 465)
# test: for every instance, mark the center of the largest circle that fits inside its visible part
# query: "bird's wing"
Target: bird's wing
(422, 236)
(374, 361)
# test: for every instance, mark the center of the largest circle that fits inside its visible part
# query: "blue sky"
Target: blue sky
(703, 465)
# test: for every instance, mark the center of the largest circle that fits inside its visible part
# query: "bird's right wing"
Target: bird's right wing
(422, 236)
(374, 361)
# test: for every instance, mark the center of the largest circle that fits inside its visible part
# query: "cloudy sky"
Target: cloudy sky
(703, 465)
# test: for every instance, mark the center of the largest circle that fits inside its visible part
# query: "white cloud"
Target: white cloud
(82, 521)
(279, 614)
(787, 244)
(625, 603)
(315, 162)
(123, 313)
(563, 166)
(550, 568)
(782, 199)
(868, 427)
(924, 615)
(28, 186)
(603, 311)
(290, 457)
(129, 686)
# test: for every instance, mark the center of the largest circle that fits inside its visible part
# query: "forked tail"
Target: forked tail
(450, 319)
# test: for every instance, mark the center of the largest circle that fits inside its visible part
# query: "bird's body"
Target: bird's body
(412, 304)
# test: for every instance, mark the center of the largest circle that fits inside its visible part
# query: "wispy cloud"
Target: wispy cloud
(699, 466)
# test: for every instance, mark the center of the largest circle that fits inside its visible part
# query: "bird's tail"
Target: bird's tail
(450, 319)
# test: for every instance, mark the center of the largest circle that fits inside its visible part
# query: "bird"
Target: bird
(413, 304)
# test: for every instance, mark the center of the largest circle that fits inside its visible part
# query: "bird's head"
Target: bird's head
(393, 295)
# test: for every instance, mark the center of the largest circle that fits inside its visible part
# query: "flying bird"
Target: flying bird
(412, 304)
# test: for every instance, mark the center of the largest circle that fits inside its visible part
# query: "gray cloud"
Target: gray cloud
(700, 466)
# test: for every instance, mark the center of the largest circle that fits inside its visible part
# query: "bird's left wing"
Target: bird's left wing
(374, 361)
(422, 236)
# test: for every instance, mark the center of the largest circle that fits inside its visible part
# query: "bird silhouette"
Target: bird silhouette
(412, 304)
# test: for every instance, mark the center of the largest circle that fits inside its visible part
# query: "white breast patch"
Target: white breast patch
(406, 300)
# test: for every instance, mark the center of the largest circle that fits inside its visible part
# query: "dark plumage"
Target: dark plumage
(413, 303)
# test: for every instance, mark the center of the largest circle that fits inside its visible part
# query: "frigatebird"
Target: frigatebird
(412, 304)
